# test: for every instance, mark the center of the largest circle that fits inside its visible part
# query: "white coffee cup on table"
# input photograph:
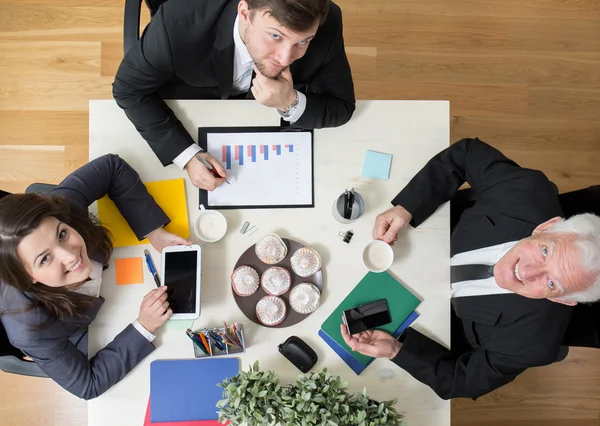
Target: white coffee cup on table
(210, 225)
(378, 256)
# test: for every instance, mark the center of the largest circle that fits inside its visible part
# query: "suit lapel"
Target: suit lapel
(224, 49)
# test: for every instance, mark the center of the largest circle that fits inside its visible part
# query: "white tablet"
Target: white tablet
(182, 274)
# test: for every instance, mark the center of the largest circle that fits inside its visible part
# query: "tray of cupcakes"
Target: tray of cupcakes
(277, 282)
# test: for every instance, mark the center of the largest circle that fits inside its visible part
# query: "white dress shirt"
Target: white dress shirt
(92, 288)
(484, 256)
(242, 80)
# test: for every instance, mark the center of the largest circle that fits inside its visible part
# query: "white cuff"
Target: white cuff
(182, 159)
(139, 327)
(297, 111)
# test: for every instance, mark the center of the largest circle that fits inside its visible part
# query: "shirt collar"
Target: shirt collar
(240, 48)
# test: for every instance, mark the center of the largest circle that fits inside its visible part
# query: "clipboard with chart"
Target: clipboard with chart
(267, 167)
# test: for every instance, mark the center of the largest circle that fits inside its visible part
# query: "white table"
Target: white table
(413, 131)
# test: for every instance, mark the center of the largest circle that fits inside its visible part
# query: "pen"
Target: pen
(210, 167)
(350, 203)
(214, 339)
(152, 268)
(198, 343)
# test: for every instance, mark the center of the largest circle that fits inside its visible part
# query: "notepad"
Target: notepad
(372, 287)
(186, 389)
(129, 271)
(377, 165)
(168, 194)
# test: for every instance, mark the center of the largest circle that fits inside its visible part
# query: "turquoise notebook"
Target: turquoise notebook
(372, 287)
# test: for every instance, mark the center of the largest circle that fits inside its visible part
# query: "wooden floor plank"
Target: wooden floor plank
(538, 9)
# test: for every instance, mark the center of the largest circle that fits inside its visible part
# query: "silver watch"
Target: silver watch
(293, 105)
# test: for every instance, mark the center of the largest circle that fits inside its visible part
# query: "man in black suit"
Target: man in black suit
(287, 55)
(517, 270)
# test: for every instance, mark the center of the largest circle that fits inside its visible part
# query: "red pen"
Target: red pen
(210, 167)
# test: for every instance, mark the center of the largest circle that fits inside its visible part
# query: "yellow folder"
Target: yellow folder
(170, 196)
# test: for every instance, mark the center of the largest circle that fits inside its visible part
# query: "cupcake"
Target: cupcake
(306, 262)
(305, 298)
(271, 249)
(271, 310)
(245, 281)
(276, 281)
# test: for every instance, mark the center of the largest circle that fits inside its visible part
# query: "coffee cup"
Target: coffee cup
(378, 256)
(210, 225)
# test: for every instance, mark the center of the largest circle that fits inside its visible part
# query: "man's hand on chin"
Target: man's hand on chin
(273, 93)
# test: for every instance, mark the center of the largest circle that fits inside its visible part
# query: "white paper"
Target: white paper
(282, 177)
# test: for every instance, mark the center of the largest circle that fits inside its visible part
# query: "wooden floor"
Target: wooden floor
(521, 75)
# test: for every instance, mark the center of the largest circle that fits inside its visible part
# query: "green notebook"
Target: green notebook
(372, 287)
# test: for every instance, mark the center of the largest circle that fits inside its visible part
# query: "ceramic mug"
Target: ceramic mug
(378, 256)
(210, 225)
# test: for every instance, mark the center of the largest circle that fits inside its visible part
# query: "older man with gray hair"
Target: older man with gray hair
(517, 271)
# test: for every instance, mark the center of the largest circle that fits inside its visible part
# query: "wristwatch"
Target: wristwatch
(291, 107)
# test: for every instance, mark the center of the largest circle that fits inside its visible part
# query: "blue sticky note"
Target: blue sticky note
(377, 165)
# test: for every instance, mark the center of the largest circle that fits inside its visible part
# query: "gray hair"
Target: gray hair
(586, 230)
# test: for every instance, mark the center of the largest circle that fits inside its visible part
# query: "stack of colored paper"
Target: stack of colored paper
(374, 286)
(168, 194)
(186, 390)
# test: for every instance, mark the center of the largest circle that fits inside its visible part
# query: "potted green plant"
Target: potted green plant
(257, 397)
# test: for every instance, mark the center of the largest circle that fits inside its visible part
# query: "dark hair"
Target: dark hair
(297, 15)
(20, 215)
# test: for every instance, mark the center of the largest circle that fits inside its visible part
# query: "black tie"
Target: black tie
(249, 95)
(460, 273)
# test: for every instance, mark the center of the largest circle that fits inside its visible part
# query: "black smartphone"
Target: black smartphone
(367, 317)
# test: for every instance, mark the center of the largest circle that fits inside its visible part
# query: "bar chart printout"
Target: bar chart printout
(264, 168)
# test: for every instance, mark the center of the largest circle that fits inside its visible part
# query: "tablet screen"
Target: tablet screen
(180, 278)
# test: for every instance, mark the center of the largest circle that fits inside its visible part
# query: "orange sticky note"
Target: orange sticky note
(129, 271)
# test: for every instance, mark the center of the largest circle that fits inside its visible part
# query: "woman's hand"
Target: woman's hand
(155, 310)
(159, 238)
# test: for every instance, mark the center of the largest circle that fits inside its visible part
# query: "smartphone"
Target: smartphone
(367, 317)
(182, 274)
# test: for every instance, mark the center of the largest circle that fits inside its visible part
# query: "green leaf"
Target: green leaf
(262, 394)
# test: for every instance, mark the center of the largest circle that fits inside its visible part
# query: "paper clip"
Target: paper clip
(346, 236)
(247, 229)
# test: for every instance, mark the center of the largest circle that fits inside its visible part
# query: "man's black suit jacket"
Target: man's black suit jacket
(186, 52)
(506, 333)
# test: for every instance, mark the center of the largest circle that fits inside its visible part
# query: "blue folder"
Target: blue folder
(347, 357)
(186, 389)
